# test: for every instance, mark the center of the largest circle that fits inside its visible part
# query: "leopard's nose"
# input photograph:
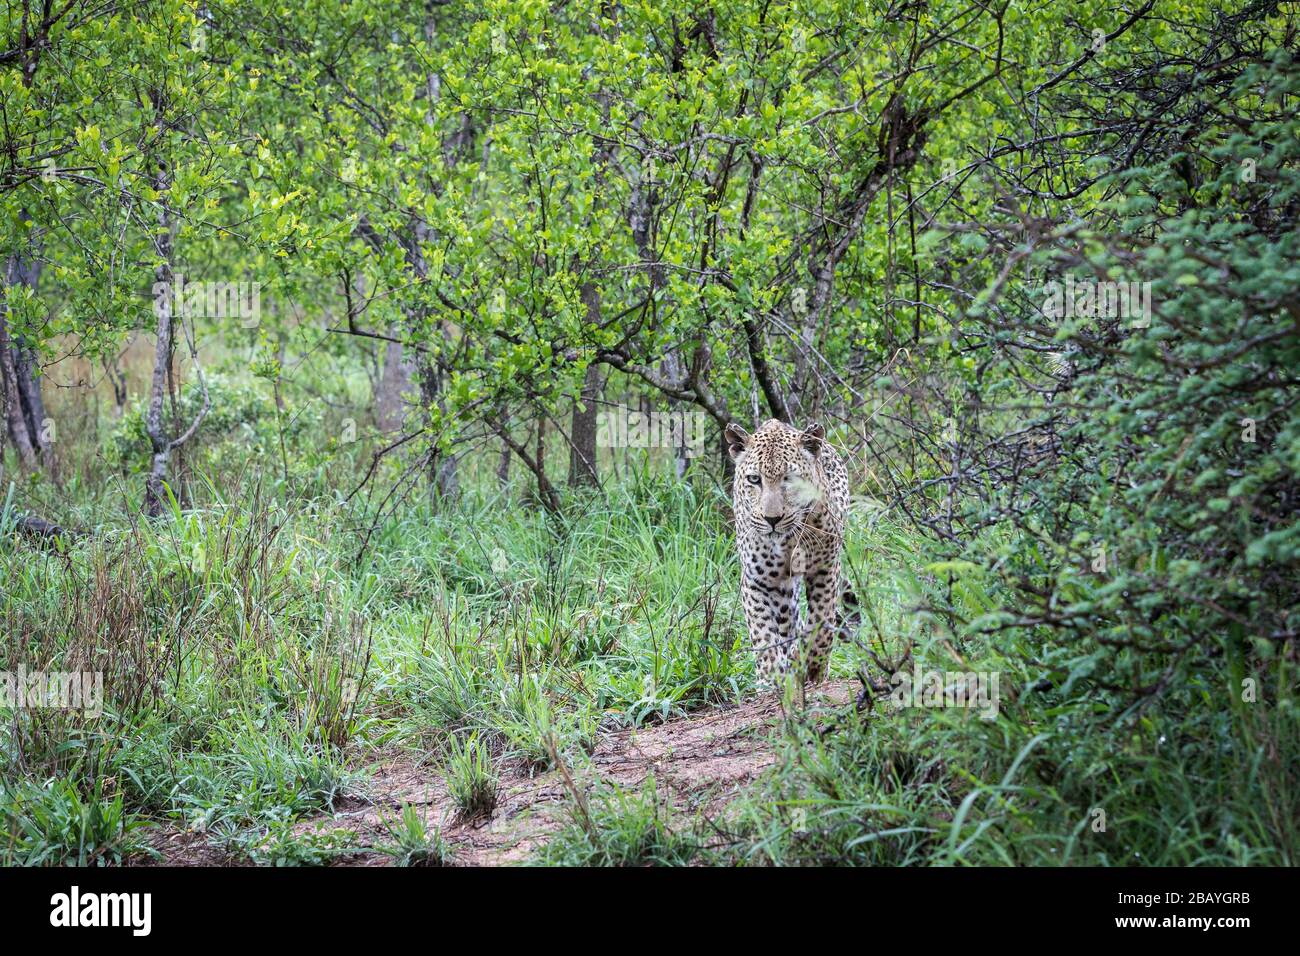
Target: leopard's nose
(772, 521)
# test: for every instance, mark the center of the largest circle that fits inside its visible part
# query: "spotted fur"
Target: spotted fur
(791, 498)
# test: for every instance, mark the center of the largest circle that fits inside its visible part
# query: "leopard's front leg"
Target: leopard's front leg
(823, 594)
(771, 605)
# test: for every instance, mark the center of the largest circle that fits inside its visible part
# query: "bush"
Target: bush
(239, 413)
(55, 825)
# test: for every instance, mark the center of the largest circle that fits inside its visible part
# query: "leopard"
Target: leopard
(790, 498)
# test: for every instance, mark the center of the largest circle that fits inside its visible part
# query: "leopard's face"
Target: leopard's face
(777, 477)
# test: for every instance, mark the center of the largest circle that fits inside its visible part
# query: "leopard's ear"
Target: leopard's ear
(813, 437)
(737, 440)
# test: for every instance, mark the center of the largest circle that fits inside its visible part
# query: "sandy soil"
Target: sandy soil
(702, 761)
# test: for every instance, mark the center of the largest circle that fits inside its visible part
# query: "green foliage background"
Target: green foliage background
(834, 209)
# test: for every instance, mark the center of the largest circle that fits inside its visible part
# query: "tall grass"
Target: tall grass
(1069, 772)
(255, 661)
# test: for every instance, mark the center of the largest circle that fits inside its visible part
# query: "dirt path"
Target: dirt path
(702, 760)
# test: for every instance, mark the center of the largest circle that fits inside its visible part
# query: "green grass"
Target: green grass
(471, 777)
(253, 660)
(250, 661)
(413, 843)
(621, 828)
(54, 825)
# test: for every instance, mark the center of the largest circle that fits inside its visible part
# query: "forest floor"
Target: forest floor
(702, 761)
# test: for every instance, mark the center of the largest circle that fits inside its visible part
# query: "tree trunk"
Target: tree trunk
(11, 400)
(444, 482)
(675, 370)
(159, 442)
(117, 379)
(394, 381)
(544, 491)
(582, 429)
(582, 432)
(503, 467)
(29, 390)
(164, 299)
(24, 408)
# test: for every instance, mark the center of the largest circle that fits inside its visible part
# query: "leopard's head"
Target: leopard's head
(776, 483)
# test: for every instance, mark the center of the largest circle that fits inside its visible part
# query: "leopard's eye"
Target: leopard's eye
(753, 479)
